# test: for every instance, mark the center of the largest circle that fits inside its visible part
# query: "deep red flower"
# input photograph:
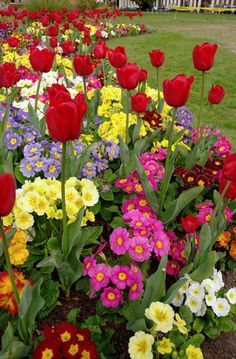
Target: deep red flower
(41, 60)
(231, 191)
(157, 57)
(100, 50)
(203, 56)
(58, 94)
(13, 41)
(83, 335)
(89, 351)
(47, 349)
(190, 223)
(65, 332)
(216, 94)
(139, 102)
(143, 75)
(72, 349)
(53, 30)
(8, 75)
(53, 42)
(229, 167)
(117, 57)
(176, 91)
(153, 118)
(7, 193)
(83, 65)
(128, 76)
(67, 47)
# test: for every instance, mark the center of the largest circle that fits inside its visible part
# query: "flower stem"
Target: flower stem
(86, 98)
(104, 72)
(37, 92)
(63, 180)
(200, 107)
(158, 86)
(220, 201)
(8, 264)
(127, 117)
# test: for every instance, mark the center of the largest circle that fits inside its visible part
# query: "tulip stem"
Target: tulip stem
(219, 202)
(37, 92)
(200, 107)
(104, 72)
(158, 86)
(8, 264)
(86, 98)
(167, 163)
(63, 199)
(127, 117)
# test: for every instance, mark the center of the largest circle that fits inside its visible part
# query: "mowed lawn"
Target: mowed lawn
(177, 34)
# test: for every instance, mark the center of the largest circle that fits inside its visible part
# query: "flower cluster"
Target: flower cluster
(205, 210)
(227, 241)
(65, 340)
(17, 248)
(207, 294)
(43, 197)
(7, 298)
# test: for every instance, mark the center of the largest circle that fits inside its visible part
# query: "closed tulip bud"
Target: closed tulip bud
(203, 56)
(139, 102)
(8, 75)
(100, 50)
(157, 58)
(176, 91)
(53, 30)
(128, 76)
(82, 65)
(64, 119)
(229, 167)
(7, 193)
(53, 42)
(42, 60)
(190, 223)
(58, 94)
(143, 75)
(216, 94)
(117, 57)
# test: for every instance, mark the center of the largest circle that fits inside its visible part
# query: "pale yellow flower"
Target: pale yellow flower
(140, 346)
(193, 352)
(162, 315)
(164, 346)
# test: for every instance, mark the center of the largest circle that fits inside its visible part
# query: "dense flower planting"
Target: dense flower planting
(110, 190)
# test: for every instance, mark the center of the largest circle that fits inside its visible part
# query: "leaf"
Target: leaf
(186, 314)
(205, 270)
(8, 336)
(198, 325)
(91, 234)
(107, 196)
(130, 310)
(73, 234)
(205, 243)
(16, 350)
(136, 325)
(55, 260)
(168, 298)
(186, 197)
(196, 340)
(136, 131)
(72, 315)
(143, 144)
(33, 118)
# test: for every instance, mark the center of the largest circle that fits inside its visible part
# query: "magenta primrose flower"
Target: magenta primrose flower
(135, 289)
(161, 243)
(88, 264)
(119, 240)
(172, 267)
(99, 276)
(139, 249)
(111, 297)
(121, 276)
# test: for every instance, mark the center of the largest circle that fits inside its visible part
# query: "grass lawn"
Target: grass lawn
(177, 34)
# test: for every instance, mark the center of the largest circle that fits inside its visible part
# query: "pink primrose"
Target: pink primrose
(119, 240)
(172, 267)
(136, 271)
(228, 215)
(88, 264)
(204, 215)
(99, 276)
(128, 205)
(161, 243)
(139, 249)
(121, 276)
(111, 297)
(136, 289)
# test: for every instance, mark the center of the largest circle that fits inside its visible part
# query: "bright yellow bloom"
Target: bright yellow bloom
(140, 346)
(164, 346)
(193, 352)
(162, 315)
(180, 324)
(17, 248)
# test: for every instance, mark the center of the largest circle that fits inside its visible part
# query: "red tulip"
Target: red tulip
(13, 41)
(53, 30)
(139, 102)
(143, 75)
(128, 76)
(176, 91)
(7, 193)
(58, 94)
(67, 47)
(100, 50)
(117, 57)
(83, 65)
(8, 75)
(157, 57)
(42, 60)
(216, 94)
(203, 56)
(53, 42)
(231, 191)
(229, 167)
(64, 119)
(45, 20)
(190, 223)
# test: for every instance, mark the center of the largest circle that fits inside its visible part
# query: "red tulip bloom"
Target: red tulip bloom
(13, 41)
(45, 20)
(42, 60)
(67, 47)
(157, 58)
(64, 119)
(53, 30)
(117, 57)
(143, 75)
(8, 75)
(203, 56)
(176, 91)
(58, 94)
(53, 42)
(139, 102)
(216, 94)
(190, 223)
(231, 191)
(100, 50)
(128, 76)
(83, 65)
(229, 168)
(7, 193)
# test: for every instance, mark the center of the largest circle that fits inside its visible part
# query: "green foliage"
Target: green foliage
(72, 315)
(50, 293)
(186, 314)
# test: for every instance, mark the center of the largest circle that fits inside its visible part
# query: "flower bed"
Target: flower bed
(112, 204)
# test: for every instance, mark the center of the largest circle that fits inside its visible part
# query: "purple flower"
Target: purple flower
(78, 148)
(56, 151)
(89, 170)
(28, 137)
(23, 116)
(102, 165)
(13, 140)
(27, 167)
(32, 149)
(105, 187)
(51, 168)
(39, 163)
(184, 117)
(113, 151)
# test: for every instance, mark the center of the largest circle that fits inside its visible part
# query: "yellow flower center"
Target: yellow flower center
(74, 348)
(142, 346)
(159, 244)
(139, 249)
(122, 276)
(100, 276)
(47, 354)
(111, 296)
(119, 241)
(66, 336)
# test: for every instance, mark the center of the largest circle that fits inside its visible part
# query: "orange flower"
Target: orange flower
(232, 251)
(223, 239)
(234, 231)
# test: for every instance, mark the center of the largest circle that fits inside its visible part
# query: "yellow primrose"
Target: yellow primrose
(164, 346)
(180, 324)
(193, 352)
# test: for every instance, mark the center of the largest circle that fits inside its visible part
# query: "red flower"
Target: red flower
(190, 223)
(53, 42)
(65, 332)
(231, 191)
(157, 57)
(83, 65)
(153, 118)
(176, 91)
(67, 47)
(89, 350)
(128, 76)
(8, 75)
(203, 56)
(7, 193)
(229, 168)
(117, 57)
(64, 119)
(72, 349)
(83, 335)
(143, 75)
(53, 30)
(42, 60)
(47, 349)
(13, 41)
(45, 20)
(216, 94)
(139, 102)
(58, 94)
(100, 50)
